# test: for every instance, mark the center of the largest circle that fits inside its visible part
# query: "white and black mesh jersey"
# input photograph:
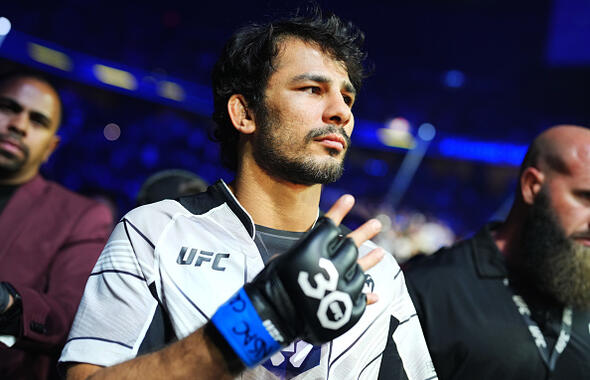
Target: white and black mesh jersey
(168, 266)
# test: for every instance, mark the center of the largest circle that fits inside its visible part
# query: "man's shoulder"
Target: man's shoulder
(56, 213)
(69, 204)
(194, 204)
(65, 195)
(154, 214)
(152, 219)
(445, 261)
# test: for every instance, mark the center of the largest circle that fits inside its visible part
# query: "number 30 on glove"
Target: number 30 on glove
(312, 292)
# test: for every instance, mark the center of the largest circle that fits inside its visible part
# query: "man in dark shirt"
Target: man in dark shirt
(513, 302)
(50, 237)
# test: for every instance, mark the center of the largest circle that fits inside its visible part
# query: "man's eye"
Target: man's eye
(312, 89)
(348, 99)
(40, 122)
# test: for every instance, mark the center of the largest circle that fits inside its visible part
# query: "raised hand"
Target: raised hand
(313, 291)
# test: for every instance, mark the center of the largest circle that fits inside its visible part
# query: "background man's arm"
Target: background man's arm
(45, 317)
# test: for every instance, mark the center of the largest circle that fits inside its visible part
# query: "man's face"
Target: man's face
(557, 255)
(570, 195)
(29, 115)
(304, 127)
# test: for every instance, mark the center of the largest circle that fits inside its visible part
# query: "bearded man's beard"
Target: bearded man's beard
(10, 164)
(274, 153)
(558, 265)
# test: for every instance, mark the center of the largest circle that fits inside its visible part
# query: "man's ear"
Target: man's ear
(240, 114)
(51, 147)
(531, 182)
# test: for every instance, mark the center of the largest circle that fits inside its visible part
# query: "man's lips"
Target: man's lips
(582, 239)
(11, 146)
(333, 141)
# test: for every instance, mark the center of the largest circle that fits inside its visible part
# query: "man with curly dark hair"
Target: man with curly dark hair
(301, 300)
(249, 59)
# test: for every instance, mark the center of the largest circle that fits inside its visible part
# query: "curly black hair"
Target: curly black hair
(246, 63)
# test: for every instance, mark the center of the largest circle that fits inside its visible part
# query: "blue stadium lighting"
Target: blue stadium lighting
(569, 28)
(454, 78)
(4, 28)
(366, 135)
(196, 139)
(115, 77)
(491, 152)
(150, 155)
(426, 132)
(49, 57)
(171, 90)
(195, 98)
(376, 167)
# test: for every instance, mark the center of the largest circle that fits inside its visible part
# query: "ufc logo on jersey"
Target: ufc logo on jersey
(214, 259)
(335, 306)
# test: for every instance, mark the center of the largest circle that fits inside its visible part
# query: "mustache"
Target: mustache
(580, 235)
(326, 130)
(15, 138)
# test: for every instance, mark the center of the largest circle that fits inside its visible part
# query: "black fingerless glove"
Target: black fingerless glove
(312, 292)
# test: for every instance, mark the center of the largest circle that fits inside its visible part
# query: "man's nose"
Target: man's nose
(19, 124)
(337, 111)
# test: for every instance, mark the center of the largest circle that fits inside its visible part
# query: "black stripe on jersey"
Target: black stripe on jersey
(101, 339)
(189, 300)
(369, 364)
(353, 343)
(410, 317)
(331, 343)
(127, 222)
(117, 271)
(392, 367)
(397, 274)
(216, 195)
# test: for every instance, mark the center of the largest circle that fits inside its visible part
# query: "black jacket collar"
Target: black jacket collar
(489, 261)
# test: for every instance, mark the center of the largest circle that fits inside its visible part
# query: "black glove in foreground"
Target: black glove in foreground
(312, 292)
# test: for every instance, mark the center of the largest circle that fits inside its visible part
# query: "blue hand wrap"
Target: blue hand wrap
(244, 331)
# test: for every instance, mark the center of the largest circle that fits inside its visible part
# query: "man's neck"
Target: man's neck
(276, 203)
(14, 180)
(508, 236)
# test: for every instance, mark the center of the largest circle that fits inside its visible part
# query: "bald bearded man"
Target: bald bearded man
(513, 301)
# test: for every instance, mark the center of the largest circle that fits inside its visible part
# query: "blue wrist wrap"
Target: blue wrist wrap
(244, 331)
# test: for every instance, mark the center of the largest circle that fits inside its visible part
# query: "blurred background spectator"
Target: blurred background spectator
(169, 184)
(407, 234)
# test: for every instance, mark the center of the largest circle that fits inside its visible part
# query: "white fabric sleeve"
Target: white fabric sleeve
(117, 306)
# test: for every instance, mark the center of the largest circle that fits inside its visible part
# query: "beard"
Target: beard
(9, 163)
(278, 152)
(558, 265)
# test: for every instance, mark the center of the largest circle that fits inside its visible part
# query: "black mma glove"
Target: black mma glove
(312, 292)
